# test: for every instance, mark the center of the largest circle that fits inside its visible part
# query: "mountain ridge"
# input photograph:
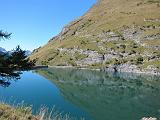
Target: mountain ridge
(116, 35)
(2, 50)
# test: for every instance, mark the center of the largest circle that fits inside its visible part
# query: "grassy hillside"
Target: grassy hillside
(112, 32)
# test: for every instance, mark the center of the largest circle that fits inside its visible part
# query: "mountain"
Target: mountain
(119, 35)
(2, 50)
(28, 52)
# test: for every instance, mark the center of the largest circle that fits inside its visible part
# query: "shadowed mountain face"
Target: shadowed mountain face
(2, 50)
(123, 32)
(108, 96)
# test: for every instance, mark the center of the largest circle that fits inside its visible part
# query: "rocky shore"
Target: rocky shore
(132, 69)
(119, 69)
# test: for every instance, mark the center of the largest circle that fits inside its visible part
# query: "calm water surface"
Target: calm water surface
(92, 95)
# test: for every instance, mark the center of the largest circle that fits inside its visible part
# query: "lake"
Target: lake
(88, 94)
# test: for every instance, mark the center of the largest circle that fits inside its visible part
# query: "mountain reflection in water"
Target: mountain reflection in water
(108, 96)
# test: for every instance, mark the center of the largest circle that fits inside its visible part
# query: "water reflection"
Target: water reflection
(108, 96)
(8, 75)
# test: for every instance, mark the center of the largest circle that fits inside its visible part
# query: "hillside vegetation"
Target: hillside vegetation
(121, 35)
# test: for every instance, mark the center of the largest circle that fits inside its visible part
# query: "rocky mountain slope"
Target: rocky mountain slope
(119, 35)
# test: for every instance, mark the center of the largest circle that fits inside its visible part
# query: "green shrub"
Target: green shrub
(51, 58)
(132, 52)
(83, 42)
(72, 63)
(123, 46)
(44, 62)
(139, 60)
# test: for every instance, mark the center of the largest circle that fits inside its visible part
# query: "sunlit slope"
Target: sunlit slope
(111, 32)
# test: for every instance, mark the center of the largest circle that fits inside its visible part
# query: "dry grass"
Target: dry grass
(21, 112)
(16, 113)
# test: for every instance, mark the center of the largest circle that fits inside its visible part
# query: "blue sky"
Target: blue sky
(34, 22)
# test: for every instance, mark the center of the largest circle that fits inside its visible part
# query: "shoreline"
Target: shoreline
(81, 68)
(104, 70)
(39, 67)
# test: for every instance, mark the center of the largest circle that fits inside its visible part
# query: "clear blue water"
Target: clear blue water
(92, 95)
